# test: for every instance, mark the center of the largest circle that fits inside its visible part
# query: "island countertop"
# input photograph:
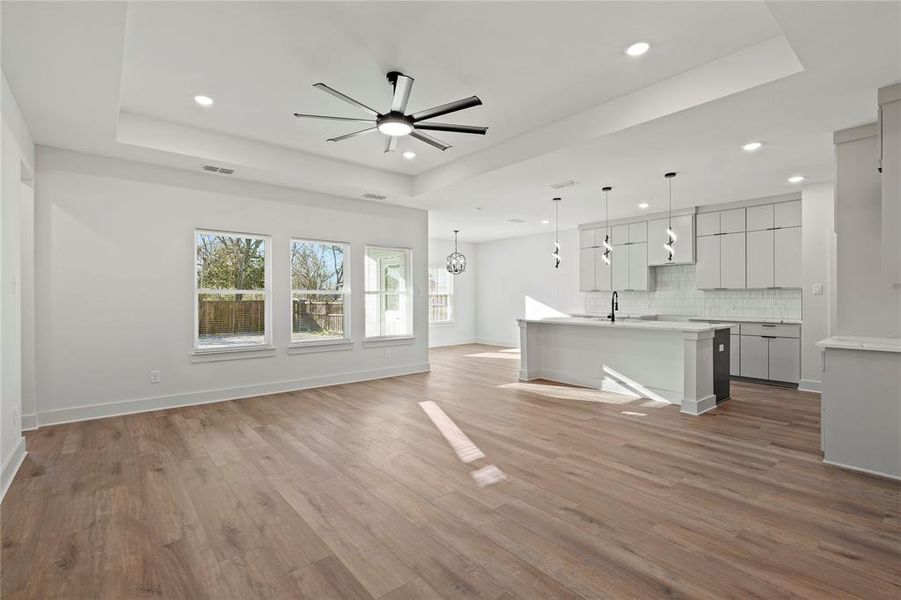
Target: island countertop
(630, 324)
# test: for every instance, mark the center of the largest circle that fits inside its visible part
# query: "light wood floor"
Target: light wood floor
(350, 492)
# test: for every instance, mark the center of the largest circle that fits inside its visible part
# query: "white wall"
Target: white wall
(866, 304)
(516, 278)
(817, 227)
(16, 165)
(114, 254)
(463, 328)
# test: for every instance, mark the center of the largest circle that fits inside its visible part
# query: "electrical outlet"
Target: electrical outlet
(387, 354)
(154, 376)
(816, 289)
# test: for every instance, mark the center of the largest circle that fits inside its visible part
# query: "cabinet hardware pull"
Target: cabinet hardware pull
(769, 337)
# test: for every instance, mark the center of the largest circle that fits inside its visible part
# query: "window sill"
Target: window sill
(441, 323)
(389, 340)
(312, 346)
(232, 353)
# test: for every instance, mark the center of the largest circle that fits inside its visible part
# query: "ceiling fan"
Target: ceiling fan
(395, 123)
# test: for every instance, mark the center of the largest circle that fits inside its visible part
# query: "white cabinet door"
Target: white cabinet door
(621, 267)
(759, 217)
(586, 269)
(603, 278)
(732, 221)
(638, 266)
(735, 355)
(787, 214)
(755, 361)
(785, 359)
(732, 260)
(708, 223)
(683, 227)
(638, 232)
(587, 238)
(760, 259)
(707, 272)
(787, 248)
(620, 234)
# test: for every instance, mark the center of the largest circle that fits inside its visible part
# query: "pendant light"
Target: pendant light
(607, 247)
(670, 236)
(556, 252)
(456, 262)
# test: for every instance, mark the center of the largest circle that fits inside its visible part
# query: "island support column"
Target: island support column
(525, 357)
(698, 394)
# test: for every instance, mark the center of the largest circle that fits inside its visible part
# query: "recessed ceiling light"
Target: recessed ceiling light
(477, 207)
(796, 179)
(544, 221)
(643, 205)
(203, 100)
(752, 146)
(409, 155)
(638, 48)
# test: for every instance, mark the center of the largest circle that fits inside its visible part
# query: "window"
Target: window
(232, 290)
(441, 295)
(320, 298)
(389, 298)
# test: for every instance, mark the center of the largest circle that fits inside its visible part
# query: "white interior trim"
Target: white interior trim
(859, 470)
(127, 407)
(810, 385)
(11, 466)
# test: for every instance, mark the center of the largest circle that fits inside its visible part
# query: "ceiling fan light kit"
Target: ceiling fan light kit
(396, 123)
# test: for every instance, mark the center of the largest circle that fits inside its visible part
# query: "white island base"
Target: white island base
(661, 361)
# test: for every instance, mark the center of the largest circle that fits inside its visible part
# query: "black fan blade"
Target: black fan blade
(424, 137)
(402, 87)
(452, 128)
(390, 143)
(447, 108)
(347, 136)
(306, 116)
(347, 99)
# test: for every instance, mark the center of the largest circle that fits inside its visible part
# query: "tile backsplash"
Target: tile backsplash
(676, 294)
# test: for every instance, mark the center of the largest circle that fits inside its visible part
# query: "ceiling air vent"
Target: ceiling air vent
(563, 184)
(516, 221)
(371, 196)
(215, 169)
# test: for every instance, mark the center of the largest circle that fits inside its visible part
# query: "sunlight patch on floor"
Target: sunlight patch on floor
(507, 354)
(571, 393)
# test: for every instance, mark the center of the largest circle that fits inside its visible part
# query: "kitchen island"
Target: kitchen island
(673, 362)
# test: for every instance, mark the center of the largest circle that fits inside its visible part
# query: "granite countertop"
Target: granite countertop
(849, 342)
(629, 324)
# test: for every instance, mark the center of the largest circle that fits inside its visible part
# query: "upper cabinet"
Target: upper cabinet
(587, 238)
(753, 247)
(683, 227)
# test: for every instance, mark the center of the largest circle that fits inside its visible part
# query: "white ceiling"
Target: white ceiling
(561, 99)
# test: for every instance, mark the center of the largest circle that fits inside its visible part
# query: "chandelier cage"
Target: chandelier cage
(456, 262)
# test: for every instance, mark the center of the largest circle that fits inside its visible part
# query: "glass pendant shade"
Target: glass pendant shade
(456, 262)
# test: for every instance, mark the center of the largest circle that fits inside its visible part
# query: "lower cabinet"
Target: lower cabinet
(755, 357)
(735, 355)
(785, 359)
(770, 357)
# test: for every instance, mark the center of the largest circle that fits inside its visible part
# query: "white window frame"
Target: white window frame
(330, 341)
(407, 293)
(451, 311)
(266, 344)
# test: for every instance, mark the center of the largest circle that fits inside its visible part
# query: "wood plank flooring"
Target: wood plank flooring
(350, 492)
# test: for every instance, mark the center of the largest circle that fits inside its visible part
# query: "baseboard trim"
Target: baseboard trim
(11, 466)
(810, 385)
(494, 342)
(698, 407)
(461, 342)
(29, 422)
(864, 471)
(128, 407)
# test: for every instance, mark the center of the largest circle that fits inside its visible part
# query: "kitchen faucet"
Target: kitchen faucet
(614, 306)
